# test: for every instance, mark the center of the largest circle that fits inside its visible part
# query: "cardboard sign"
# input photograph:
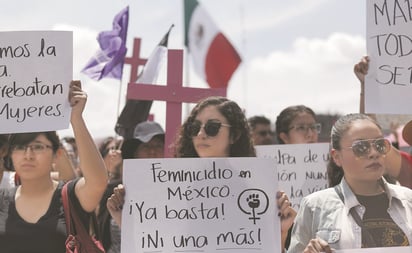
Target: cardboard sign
(200, 205)
(301, 168)
(388, 85)
(35, 72)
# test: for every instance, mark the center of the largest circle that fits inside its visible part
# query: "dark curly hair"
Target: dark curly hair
(242, 147)
(286, 116)
(341, 126)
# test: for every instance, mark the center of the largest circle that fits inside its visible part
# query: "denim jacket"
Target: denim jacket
(323, 214)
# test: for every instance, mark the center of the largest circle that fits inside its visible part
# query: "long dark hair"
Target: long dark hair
(341, 126)
(242, 146)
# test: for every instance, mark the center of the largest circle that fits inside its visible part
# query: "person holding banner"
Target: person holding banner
(398, 163)
(109, 232)
(297, 125)
(360, 209)
(216, 127)
(147, 142)
(31, 214)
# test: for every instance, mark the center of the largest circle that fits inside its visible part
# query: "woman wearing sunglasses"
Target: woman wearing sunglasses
(31, 215)
(216, 127)
(398, 163)
(360, 210)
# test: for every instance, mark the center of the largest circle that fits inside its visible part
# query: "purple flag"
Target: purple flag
(108, 61)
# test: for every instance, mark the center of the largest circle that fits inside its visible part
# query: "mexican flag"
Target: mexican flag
(213, 56)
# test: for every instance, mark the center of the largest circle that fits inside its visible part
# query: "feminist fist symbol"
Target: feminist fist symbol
(252, 201)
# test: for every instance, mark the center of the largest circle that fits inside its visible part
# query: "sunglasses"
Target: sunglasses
(362, 148)
(211, 128)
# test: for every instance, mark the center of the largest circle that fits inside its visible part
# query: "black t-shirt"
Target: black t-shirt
(47, 235)
(378, 222)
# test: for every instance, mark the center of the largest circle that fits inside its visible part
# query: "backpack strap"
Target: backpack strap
(75, 226)
(66, 207)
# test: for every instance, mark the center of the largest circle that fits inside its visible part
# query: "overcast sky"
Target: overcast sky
(293, 52)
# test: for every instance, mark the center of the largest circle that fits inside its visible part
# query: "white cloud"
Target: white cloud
(315, 72)
(278, 15)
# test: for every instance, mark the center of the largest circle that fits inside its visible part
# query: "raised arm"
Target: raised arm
(393, 158)
(92, 185)
(361, 69)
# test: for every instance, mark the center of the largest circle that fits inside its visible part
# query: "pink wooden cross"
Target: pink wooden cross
(173, 93)
(135, 61)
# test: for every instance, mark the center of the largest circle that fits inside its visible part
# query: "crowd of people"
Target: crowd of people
(368, 203)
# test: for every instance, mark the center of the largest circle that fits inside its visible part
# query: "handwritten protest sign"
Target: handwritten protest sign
(301, 168)
(388, 85)
(200, 205)
(35, 72)
(378, 250)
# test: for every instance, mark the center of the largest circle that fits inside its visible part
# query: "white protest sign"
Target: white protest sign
(200, 205)
(388, 85)
(36, 68)
(301, 168)
(378, 250)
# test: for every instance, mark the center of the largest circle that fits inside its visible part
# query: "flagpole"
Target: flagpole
(187, 75)
(108, 59)
(118, 104)
(243, 38)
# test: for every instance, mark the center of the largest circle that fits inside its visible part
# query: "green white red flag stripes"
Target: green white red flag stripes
(213, 56)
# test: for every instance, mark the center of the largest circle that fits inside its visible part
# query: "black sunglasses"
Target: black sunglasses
(211, 128)
(362, 148)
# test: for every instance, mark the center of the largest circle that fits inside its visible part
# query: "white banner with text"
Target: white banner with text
(200, 205)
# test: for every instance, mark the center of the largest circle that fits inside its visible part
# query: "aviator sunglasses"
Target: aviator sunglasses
(362, 148)
(211, 128)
